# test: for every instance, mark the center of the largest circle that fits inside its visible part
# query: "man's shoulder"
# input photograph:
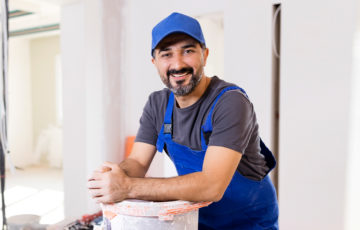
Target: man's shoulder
(160, 93)
(158, 98)
(218, 85)
(230, 96)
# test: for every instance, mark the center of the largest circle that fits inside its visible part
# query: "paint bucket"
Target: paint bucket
(139, 214)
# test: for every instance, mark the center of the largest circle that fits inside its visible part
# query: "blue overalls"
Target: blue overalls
(246, 204)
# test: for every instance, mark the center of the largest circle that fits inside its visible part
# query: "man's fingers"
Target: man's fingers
(95, 193)
(109, 165)
(103, 199)
(94, 184)
(105, 169)
(95, 176)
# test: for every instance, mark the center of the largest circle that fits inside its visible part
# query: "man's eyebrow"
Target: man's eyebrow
(192, 45)
(165, 48)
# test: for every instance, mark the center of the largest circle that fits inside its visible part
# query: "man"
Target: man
(208, 128)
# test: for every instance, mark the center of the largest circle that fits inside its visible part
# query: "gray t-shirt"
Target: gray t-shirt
(233, 120)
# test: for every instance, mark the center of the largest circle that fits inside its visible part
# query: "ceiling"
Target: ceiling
(34, 17)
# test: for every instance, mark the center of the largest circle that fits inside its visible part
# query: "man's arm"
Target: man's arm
(101, 185)
(219, 166)
(137, 164)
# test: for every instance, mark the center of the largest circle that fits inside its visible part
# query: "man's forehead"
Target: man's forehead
(176, 38)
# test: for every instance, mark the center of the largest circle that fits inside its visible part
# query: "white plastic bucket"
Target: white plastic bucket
(139, 214)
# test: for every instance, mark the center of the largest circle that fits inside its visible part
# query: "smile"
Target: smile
(180, 76)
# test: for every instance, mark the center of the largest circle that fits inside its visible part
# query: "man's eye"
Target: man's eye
(165, 55)
(189, 51)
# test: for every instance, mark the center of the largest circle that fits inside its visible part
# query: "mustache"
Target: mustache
(183, 70)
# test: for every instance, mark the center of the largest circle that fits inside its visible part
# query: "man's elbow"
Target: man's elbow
(215, 193)
(217, 197)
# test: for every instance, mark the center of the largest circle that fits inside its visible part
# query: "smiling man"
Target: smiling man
(209, 130)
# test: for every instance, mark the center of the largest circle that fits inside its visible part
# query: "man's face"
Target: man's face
(180, 61)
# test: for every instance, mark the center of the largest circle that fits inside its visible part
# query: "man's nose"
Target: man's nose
(178, 62)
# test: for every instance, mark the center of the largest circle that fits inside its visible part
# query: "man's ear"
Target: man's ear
(153, 60)
(206, 54)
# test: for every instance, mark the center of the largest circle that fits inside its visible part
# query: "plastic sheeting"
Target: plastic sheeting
(188, 221)
(49, 147)
(136, 214)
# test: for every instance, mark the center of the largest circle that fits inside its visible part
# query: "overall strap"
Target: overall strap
(166, 128)
(208, 124)
(207, 127)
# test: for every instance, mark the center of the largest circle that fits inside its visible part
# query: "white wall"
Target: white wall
(20, 129)
(316, 78)
(43, 53)
(212, 25)
(31, 94)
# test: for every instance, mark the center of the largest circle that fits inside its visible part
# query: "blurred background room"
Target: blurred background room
(80, 72)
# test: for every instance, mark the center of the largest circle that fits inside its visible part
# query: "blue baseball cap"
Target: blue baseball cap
(176, 23)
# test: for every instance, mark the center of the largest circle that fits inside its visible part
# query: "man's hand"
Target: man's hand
(125, 181)
(109, 184)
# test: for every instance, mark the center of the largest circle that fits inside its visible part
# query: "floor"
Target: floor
(36, 190)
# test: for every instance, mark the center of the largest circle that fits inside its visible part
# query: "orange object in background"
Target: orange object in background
(128, 145)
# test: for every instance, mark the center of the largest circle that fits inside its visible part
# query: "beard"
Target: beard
(179, 89)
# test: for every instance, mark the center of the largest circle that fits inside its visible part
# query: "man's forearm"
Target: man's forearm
(191, 187)
(133, 168)
(126, 180)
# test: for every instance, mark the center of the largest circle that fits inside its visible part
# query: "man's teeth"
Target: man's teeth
(179, 75)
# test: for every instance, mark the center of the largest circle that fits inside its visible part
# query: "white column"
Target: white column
(83, 101)
(353, 161)
(114, 87)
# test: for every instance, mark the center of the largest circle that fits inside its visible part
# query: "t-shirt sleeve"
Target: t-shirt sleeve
(233, 121)
(147, 131)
